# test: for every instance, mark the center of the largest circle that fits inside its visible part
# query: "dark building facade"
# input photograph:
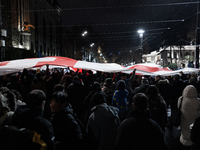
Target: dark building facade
(33, 25)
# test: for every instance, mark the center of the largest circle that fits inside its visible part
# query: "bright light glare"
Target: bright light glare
(140, 31)
(91, 44)
(84, 33)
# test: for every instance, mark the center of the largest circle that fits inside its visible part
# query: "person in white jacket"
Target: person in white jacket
(189, 112)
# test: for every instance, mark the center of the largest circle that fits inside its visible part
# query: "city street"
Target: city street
(172, 138)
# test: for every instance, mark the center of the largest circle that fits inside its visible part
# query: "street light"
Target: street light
(83, 49)
(84, 33)
(91, 44)
(141, 32)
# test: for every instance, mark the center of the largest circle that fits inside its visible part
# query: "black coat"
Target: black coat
(177, 89)
(66, 129)
(139, 132)
(30, 118)
(165, 90)
(195, 132)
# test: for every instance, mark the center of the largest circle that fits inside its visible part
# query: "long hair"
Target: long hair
(152, 93)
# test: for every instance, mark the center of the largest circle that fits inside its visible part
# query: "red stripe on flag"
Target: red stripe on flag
(59, 61)
(4, 63)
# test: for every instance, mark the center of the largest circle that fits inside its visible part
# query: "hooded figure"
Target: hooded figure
(121, 99)
(189, 112)
(102, 124)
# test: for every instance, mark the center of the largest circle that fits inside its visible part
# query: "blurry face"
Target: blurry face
(56, 106)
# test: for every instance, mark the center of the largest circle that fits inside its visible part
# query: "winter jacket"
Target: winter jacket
(102, 127)
(30, 118)
(158, 111)
(139, 132)
(189, 112)
(141, 89)
(109, 93)
(120, 100)
(165, 90)
(77, 93)
(177, 89)
(66, 129)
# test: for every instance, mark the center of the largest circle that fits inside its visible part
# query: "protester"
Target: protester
(95, 87)
(165, 90)
(14, 84)
(67, 131)
(120, 99)
(176, 91)
(30, 116)
(142, 88)
(157, 106)
(189, 112)
(102, 124)
(76, 92)
(8, 104)
(139, 131)
(157, 79)
(39, 83)
(108, 89)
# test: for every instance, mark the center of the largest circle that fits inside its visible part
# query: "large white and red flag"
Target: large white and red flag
(7, 67)
(148, 69)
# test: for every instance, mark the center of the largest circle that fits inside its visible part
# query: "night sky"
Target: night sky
(117, 21)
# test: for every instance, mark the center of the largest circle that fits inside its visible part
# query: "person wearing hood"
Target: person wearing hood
(102, 124)
(67, 131)
(139, 131)
(121, 99)
(29, 116)
(189, 112)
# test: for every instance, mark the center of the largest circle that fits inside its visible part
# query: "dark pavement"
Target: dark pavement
(172, 138)
(172, 135)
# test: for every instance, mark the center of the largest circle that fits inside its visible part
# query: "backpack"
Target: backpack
(13, 138)
(156, 110)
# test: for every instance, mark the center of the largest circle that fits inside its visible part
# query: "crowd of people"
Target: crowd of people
(113, 111)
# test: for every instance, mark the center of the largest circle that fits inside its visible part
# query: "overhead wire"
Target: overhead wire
(110, 7)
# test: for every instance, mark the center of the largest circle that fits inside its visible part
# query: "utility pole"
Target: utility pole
(197, 36)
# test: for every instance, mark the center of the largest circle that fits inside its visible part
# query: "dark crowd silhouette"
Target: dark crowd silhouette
(97, 111)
